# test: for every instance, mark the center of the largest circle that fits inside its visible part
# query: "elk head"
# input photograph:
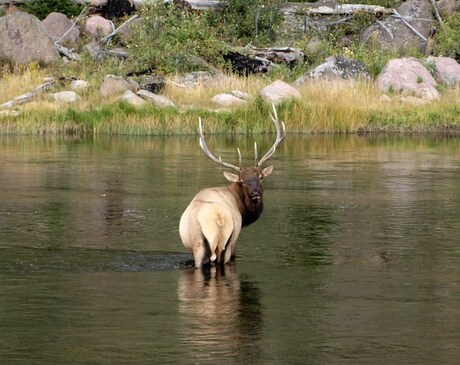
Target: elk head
(249, 180)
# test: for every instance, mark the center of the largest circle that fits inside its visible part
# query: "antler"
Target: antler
(208, 153)
(280, 134)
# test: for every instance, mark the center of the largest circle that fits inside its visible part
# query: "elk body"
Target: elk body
(212, 222)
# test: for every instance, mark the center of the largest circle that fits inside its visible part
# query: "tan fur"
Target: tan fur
(212, 214)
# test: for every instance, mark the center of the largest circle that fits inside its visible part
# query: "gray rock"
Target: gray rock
(78, 84)
(279, 91)
(154, 84)
(24, 39)
(446, 69)
(157, 100)
(448, 6)
(336, 68)
(65, 96)
(114, 85)
(392, 34)
(409, 77)
(241, 94)
(196, 78)
(57, 24)
(226, 100)
(126, 33)
(98, 27)
(132, 98)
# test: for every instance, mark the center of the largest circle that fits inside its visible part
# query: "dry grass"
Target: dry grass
(325, 107)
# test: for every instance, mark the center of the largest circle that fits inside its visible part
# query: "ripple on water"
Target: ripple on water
(25, 260)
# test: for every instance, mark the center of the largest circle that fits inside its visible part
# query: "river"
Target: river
(355, 260)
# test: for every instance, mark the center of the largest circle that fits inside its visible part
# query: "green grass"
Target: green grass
(325, 107)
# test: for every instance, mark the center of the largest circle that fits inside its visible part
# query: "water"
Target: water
(355, 260)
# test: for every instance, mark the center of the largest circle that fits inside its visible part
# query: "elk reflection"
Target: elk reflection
(221, 313)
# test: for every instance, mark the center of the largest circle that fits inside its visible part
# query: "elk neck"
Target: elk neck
(250, 209)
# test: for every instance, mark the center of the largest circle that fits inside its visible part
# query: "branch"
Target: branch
(397, 15)
(436, 12)
(347, 9)
(67, 52)
(385, 28)
(73, 25)
(28, 96)
(111, 35)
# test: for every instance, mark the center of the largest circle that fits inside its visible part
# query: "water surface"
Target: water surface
(356, 258)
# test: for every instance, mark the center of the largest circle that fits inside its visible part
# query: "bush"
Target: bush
(447, 38)
(41, 8)
(246, 21)
(172, 40)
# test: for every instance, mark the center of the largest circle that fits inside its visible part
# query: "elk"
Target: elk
(212, 222)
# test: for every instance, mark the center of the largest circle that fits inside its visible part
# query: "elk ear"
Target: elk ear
(231, 177)
(267, 171)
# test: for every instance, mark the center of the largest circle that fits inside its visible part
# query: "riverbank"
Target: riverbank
(324, 107)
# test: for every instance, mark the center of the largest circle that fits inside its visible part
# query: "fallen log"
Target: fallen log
(348, 9)
(24, 98)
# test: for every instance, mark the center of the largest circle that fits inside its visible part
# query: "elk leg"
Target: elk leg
(202, 253)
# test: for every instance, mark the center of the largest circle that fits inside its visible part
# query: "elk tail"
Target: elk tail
(217, 227)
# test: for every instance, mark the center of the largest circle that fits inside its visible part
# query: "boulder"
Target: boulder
(114, 85)
(154, 84)
(408, 76)
(446, 69)
(196, 78)
(78, 84)
(65, 96)
(241, 94)
(392, 33)
(280, 55)
(98, 27)
(126, 33)
(279, 91)
(336, 68)
(132, 98)
(448, 6)
(243, 65)
(24, 39)
(57, 24)
(226, 100)
(157, 100)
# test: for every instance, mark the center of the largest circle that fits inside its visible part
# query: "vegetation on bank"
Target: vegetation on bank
(164, 47)
(325, 107)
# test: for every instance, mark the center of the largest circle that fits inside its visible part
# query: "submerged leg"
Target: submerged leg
(202, 253)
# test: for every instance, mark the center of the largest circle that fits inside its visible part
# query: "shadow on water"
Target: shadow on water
(74, 260)
(221, 313)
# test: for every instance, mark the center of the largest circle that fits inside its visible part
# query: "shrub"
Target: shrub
(41, 8)
(172, 40)
(246, 21)
(447, 38)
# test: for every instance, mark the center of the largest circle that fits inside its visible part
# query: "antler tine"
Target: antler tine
(280, 134)
(240, 159)
(256, 154)
(208, 153)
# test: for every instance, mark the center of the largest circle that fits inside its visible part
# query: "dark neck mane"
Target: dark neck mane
(250, 209)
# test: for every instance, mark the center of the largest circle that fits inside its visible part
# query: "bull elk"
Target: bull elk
(212, 222)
